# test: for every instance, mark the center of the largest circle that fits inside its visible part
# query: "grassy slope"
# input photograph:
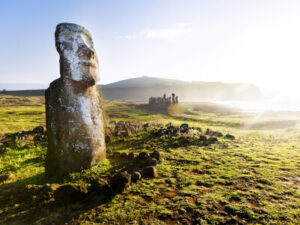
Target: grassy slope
(254, 179)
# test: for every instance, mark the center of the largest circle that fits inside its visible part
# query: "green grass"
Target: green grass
(254, 179)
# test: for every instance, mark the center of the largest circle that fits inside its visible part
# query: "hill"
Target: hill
(141, 88)
(146, 81)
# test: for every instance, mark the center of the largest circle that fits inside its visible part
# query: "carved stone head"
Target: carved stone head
(78, 59)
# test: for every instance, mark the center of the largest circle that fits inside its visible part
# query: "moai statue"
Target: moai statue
(173, 98)
(176, 99)
(74, 114)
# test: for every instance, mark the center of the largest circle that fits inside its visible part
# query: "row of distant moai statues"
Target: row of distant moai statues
(163, 101)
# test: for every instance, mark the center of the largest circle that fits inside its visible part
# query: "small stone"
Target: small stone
(6, 176)
(184, 128)
(156, 155)
(229, 136)
(146, 125)
(39, 129)
(124, 155)
(149, 172)
(120, 182)
(212, 140)
(151, 162)
(99, 185)
(131, 155)
(169, 125)
(203, 137)
(143, 155)
(208, 131)
(135, 176)
(70, 193)
(218, 134)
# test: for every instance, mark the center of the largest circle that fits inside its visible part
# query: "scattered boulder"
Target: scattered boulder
(203, 138)
(151, 125)
(131, 155)
(125, 128)
(149, 172)
(135, 176)
(184, 128)
(156, 155)
(99, 185)
(169, 125)
(39, 129)
(212, 140)
(70, 193)
(143, 156)
(213, 133)
(229, 136)
(151, 162)
(124, 155)
(120, 182)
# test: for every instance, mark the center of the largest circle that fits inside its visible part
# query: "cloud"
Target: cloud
(180, 29)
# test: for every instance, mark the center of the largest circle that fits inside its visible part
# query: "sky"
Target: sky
(255, 41)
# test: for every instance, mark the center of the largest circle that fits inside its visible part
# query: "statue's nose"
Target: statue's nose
(86, 51)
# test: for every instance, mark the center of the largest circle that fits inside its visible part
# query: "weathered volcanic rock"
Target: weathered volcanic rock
(135, 176)
(151, 162)
(149, 172)
(124, 155)
(143, 156)
(70, 193)
(74, 114)
(203, 137)
(99, 185)
(229, 136)
(38, 129)
(212, 140)
(131, 155)
(156, 155)
(120, 182)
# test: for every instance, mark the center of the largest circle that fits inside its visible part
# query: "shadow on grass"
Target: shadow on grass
(18, 206)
